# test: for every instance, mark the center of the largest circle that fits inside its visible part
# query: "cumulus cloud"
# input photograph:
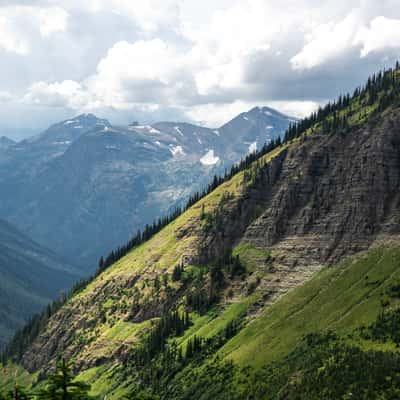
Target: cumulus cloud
(326, 42)
(143, 71)
(5, 96)
(11, 39)
(383, 33)
(205, 60)
(59, 94)
(53, 19)
(329, 41)
(19, 24)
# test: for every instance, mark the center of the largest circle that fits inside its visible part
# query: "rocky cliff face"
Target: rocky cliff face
(324, 197)
(307, 204)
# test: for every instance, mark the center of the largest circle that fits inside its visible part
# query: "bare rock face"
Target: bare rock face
(337, 193)
(325, 197)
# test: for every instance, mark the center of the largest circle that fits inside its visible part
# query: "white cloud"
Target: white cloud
(59, 94)
(222, 46)
(129, 68)
(382, 33)
(214, 115)
(52, 20)
(326, 42)
(5, 96)
(299, 109)
(18, 26)
(11, 39)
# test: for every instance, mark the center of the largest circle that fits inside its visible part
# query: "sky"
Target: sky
(152, 60)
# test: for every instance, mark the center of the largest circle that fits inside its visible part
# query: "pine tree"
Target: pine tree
(62, 386)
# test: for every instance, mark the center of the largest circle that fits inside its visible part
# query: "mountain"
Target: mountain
(31, 276)
(281, 283)
(5, 142)
(84, 186)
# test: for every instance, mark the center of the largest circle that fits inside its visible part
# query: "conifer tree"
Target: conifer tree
(61, 385)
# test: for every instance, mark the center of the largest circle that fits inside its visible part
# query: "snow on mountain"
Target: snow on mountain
(209, 158)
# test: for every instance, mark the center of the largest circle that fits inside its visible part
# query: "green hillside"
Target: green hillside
(280, 283)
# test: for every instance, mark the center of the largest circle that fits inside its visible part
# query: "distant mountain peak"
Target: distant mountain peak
(87, 119)
(6, 142)
(86, 116)
(5, 139)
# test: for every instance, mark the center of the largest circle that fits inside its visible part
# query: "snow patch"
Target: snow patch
(197, 137)
(153, 130)
(147, 128)
(70, 122)
(178, 130)
(245, 118)
(157, 143)
(209, 158)
(176, 150)
(62, 143)
(216, 131)
(269, 127)
(253, 147)
(78, 127)
(266, 112)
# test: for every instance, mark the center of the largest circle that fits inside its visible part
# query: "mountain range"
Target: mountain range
(84, 186)
(281, 283)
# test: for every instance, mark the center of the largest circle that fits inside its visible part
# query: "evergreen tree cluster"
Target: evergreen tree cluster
(173, 323)
(386, 327)
(200, 298)
(322, 366)
(177, 272)
(198, 345)
(155, 375)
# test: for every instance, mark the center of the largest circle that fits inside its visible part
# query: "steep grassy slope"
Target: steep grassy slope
(303, 240)
(339, 299)
(30, 277)
(342, 298)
